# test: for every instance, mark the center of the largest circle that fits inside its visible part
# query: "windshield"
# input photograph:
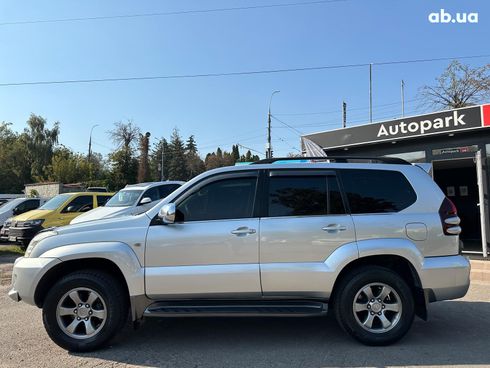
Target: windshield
(124, 198)
(11, 204)
(55, 202)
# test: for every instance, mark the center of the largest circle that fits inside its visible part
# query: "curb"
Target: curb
(480, 271)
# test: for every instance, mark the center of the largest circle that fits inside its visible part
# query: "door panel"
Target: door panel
(293, 251)
(306, 224)
(302, 239)
(212, 250)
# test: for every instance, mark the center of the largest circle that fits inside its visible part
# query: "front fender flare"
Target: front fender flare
(119, 253)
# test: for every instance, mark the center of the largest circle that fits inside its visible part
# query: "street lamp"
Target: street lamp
(268, 152)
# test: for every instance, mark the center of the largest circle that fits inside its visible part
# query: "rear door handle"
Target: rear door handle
(333, 228)
(243, 230)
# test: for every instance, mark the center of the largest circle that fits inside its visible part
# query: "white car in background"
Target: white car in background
(18, 206)
(131, 200)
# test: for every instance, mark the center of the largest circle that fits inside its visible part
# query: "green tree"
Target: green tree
(235, 152)
(191, 146)
(40, 142)
(15, 164)
(177, 166)
(143, 165)
(123, 161)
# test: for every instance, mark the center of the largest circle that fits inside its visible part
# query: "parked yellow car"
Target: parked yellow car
(58, 211)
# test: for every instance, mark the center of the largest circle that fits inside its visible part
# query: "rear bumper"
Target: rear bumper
(445, 278)
(26, 274)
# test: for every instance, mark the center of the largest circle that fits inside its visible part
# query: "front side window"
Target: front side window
(80, 204)
(377, 191)
(31, 204)
(151, 193)
(55, 202)
(221, 199)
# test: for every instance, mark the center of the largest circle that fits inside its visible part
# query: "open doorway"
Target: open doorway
(458, 180)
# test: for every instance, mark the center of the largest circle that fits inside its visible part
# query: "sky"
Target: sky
(227, 110)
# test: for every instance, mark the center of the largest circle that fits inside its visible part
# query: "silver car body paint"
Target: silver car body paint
(287, 257)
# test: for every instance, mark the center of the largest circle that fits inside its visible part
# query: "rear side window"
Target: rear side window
(102, 200)
(304, 196)
(377, 191)
(165, 190)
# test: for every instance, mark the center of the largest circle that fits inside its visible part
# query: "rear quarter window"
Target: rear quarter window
(376, 191)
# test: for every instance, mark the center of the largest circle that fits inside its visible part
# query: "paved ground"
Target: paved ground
(457, 334)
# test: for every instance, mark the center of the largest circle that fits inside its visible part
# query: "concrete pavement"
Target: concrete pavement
(457, 334)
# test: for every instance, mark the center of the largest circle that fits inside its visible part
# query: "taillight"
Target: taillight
(449, 218)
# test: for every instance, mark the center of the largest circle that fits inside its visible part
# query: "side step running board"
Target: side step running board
(236, 308)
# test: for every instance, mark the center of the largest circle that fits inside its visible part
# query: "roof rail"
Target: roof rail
(344, 159)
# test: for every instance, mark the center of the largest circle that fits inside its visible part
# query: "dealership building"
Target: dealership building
(456, 143)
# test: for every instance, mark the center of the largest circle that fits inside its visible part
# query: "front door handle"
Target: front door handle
(334, 228)
(243, 230)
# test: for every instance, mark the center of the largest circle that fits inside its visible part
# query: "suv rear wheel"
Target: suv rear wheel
(374, 305)
(84, 310)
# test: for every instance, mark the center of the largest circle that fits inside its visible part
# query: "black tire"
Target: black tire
(347, 293)
(24, 244)
(116, 306)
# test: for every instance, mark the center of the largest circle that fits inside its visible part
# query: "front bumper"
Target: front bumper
(445, 278)
(23, 234)
(26, 274)
(4, 233)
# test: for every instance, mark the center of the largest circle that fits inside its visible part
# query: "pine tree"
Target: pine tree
(191, 146)
(177, 167)
(235, 153)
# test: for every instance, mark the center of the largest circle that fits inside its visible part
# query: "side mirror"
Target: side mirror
(167, 213)
(71, 209)
(145, 200)
(16, 211)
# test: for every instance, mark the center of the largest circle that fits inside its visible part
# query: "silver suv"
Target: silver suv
(373, 242)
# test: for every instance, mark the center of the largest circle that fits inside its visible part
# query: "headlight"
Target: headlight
(33, 223)
(41, 236)
(8, 222)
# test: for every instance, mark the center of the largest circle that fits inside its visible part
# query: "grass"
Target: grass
(11, 250)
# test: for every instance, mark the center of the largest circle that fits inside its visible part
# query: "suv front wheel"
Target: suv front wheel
(84, 310)
(374, 305)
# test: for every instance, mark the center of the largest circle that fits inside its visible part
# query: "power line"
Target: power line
(287, 125)
(350, 109)
(251, 149)
(230, 74)
(179, 12)
(287, 143)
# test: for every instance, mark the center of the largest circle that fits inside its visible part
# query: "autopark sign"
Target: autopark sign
(473, 117)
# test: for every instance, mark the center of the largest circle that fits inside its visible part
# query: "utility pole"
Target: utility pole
(344, 114)
(371, 92)
(268, 147)
(403, 97)
(90, 142)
